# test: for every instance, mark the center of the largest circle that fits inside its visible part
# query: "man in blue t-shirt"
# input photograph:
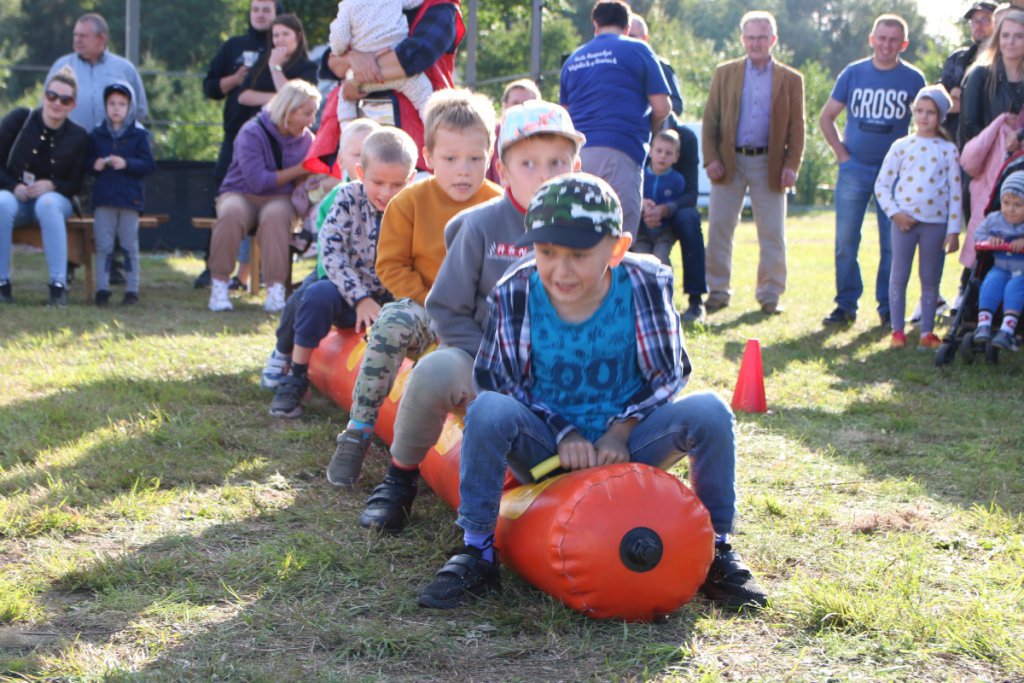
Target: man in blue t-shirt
(616, 93)
(877, 94)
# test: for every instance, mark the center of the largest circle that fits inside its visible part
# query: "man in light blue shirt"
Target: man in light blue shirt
(95, 68)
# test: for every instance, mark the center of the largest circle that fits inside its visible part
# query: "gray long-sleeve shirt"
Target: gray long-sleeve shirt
(481, 247)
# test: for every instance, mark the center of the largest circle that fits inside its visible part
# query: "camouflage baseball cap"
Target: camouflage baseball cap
(574, 210)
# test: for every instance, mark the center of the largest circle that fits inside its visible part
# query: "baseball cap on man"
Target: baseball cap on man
(983, 6)
(575, 210)
(534, 117)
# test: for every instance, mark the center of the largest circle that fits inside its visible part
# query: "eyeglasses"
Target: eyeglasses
(66, 100)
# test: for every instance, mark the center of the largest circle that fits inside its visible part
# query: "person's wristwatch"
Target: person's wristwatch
(276, 67)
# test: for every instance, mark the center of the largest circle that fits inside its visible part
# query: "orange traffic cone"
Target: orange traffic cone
(749, 394)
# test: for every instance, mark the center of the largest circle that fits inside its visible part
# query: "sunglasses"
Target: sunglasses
(66, 100)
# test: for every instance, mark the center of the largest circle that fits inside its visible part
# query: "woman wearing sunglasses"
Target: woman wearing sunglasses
(43, 157)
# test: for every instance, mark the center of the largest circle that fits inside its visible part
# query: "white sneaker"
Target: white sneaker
(915, 317)
(274, 370)
(275, 299)
(219, 299)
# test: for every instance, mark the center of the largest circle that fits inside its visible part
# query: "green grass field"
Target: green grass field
(157, 524)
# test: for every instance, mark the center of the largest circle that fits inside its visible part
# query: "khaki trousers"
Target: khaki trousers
(724, 208)
(237, 214)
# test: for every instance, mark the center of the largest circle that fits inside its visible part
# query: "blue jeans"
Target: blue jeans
(285, 332)
(855, 188)
(50, 210)
(503, 433)
(1000, 286)
(686, 226)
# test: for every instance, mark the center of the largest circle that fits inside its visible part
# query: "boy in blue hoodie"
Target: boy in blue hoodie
(120, 157)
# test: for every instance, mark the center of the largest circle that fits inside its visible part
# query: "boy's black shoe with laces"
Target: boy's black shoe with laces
(288, 397)
(464, 577)
(102, 297)
(389, 506)
(730, 583)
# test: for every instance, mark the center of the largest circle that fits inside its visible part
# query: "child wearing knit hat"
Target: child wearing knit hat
(918, 187)
(1004, 282)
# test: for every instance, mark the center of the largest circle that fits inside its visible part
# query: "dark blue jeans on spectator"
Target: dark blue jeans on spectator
(686, 226)
(855, 188)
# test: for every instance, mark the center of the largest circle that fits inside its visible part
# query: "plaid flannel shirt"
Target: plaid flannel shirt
(503, 362)
(433, 37)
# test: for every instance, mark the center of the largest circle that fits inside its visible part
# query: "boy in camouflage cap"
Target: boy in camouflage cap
(582, 355)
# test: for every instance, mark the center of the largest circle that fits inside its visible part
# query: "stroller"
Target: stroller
(959, 339)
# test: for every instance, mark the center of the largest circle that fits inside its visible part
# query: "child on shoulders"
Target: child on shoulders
(458, 137)
(374, 26)
(120, 157)
(348, 292)
(537, 141)
(582, 356)
(918, 187)
(1004, 282)
(663, 188)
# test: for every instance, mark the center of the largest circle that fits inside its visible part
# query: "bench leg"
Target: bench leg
(254, 267)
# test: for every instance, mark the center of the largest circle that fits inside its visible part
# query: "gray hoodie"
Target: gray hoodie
(481, 247)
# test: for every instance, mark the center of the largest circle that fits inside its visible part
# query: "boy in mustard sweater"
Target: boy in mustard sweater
(458, 139)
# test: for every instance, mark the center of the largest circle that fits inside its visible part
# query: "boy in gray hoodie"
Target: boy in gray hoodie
(537, 142)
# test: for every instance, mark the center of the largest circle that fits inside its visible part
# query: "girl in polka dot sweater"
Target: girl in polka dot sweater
(918, 187)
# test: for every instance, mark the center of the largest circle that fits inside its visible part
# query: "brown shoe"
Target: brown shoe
(772, 308)
(713, 305)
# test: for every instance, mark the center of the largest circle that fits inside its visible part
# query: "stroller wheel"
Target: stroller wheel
(967, 348)
(991, 354)
(944, 355)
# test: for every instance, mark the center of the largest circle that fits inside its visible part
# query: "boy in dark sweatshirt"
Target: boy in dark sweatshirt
(120, 156)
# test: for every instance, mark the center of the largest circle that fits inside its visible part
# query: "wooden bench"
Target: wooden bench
(81, 244)
(253, 286)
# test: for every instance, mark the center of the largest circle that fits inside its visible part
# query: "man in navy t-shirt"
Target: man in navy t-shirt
(877, 94)
(616, 93)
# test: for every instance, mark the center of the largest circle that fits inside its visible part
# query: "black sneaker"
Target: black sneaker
(202, 280)
(694, 313)
(102, 297)
(840, 316)
(884, 320)
(1004, 340)
(730, 582)
(288, 397)
(235, 285)
(58, 296)
(464, 577)
(130, 299)
(347, 461)
(6, 297)
(389, 506)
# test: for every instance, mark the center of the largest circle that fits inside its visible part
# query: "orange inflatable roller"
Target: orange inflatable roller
(625, 541)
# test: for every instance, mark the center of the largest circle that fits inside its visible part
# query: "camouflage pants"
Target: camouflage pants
(402, 328)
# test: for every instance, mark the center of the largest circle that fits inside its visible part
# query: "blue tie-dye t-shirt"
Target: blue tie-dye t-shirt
(585, 371)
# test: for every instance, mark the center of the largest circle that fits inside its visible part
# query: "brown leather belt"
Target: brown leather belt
(751, 151)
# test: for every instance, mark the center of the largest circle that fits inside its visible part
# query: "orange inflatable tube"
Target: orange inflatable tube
(625, 541)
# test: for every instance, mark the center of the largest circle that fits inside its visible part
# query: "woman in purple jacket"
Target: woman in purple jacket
(256, 192)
